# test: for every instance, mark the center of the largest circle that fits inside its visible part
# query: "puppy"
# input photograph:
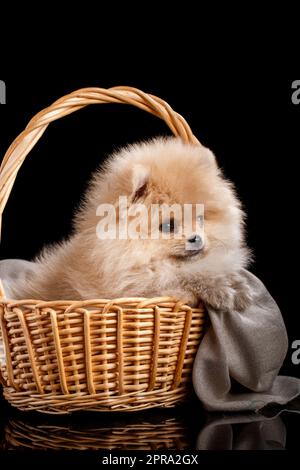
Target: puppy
(199, 265)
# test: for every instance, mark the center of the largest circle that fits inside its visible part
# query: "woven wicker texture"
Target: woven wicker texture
(121, 354)
(169, 433)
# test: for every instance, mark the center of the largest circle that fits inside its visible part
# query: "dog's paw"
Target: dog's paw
(218, 294)
(243, 293)
(227, 293)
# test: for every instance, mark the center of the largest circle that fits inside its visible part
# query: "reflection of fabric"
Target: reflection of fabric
(242, 432)
(237, 364)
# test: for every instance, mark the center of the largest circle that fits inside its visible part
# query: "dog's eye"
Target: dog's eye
(167, 227)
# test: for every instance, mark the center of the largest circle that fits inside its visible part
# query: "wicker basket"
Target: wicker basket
(102, 355)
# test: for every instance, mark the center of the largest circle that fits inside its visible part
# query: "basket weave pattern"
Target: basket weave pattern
(120, 354)
(169, 433)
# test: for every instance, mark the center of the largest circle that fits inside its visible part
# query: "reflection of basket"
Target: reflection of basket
(123, 354)
(169, 433)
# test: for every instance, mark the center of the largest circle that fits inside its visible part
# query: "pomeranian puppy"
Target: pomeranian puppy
(196, 266)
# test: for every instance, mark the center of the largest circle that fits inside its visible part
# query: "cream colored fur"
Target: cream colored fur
(165, 170)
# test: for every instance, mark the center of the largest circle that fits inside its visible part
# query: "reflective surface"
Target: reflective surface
(185, 427)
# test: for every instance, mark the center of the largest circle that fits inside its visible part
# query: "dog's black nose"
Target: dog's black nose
(195, 239)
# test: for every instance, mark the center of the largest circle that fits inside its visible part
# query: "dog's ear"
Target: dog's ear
(140, 180)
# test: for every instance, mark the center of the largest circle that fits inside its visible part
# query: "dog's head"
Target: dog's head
(175, 202)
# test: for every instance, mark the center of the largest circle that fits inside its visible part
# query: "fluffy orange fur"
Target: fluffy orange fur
(164, 170)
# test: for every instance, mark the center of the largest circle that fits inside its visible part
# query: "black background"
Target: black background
(250, 124)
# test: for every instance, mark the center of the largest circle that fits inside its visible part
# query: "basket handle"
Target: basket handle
(72, 102)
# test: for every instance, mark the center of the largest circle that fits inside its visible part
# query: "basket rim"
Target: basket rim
(135, 302)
